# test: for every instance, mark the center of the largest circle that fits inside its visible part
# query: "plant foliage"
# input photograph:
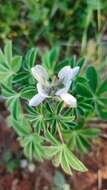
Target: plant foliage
(52, 130)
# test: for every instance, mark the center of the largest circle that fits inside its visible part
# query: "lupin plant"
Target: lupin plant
(50, 102)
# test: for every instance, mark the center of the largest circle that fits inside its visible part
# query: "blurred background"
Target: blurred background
(80, 28)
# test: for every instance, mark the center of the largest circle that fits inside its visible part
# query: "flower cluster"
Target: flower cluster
(58, 86)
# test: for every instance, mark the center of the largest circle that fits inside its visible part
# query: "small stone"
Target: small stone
(31, 167)
(23, 163)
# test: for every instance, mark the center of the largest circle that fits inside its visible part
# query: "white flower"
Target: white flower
(57, 87)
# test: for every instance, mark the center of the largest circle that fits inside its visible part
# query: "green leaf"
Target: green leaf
(103, 87)
(7, 91)
(8, 51)
(83, 90)
(15, 108)
(53, 124)
(51, 138)
(31, 58)
(28, 92)
(82, 80)
(101, 111)
(86, 106)
(33, 147)
(31, 110)
(48, 107)
(74, 162)
(5, 73)
(21, 127)
(29, 151)
(51, 151)
(16, 63)
(54, 54)
(38, 152)
(46, 59)
(65, 164)
(82, 144)
(90, 133)
(95, 4)
(81, 62)
(2, 57)
(20, 77)
(92, 78)
(63, 63)
(57, 158)
(103, 101)
(59, 107)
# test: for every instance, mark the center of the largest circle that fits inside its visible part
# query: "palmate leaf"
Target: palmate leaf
(100, 101)
(74, 162)
(50, 119)
(13, 62)
(59, 116)
(36, 118)
(98, 94)
(78, 138)
(9, 64)
(75, 142)
(61, 155)
(24, 76)
(33, 147)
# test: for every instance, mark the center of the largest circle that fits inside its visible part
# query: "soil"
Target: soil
(42, 177)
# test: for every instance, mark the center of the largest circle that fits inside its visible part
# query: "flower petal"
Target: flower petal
(63, 90)
(64, 72)
(40, 73)
(36, 100)
(43, 91)
(74, 72)
(67, 73)
(69, 100)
